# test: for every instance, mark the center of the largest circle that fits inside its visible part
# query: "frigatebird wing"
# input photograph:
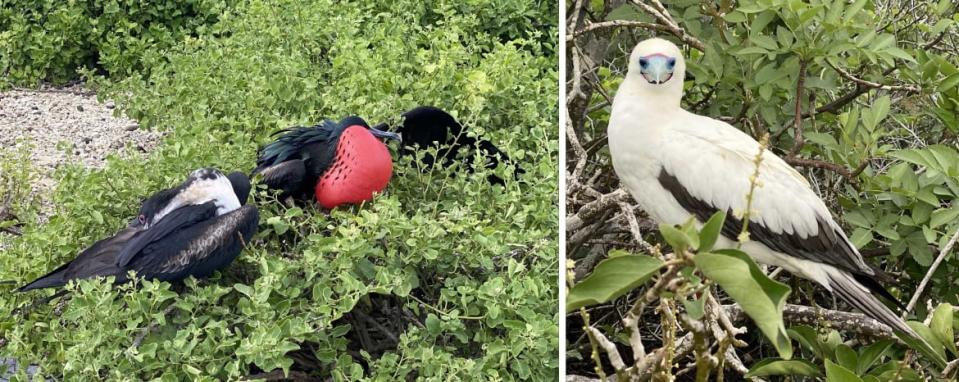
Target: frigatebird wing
(199, 249)
(177, 219)
(97, 260)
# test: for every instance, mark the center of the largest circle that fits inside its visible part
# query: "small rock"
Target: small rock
(87, 140)
(34, 107)
(132, 127)
(79, 107)
(109, 105)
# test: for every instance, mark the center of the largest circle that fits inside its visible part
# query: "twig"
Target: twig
(845, 321)
(634, 227)
(838, 169)
(662, 16)
(615, 24)
(932, 269)
(797, 120)
(870, 84)
(610, 348)
(150, 328)
(595, 208)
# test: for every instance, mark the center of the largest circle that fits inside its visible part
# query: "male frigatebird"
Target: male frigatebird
(193, 229)
(428, 126)
(335, 162)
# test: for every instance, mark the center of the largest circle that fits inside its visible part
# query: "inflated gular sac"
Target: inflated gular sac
(428, 126)
(334, 163)
(679, 165)
(193, 229)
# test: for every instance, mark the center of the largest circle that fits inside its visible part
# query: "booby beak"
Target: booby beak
(657, 68)
(375, 130)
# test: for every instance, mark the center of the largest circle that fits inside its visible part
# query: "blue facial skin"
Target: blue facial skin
(657, 68)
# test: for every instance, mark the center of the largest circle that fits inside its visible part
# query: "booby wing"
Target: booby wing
(787, 215)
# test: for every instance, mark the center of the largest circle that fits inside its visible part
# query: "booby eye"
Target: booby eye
(671, 63)
(643, 62)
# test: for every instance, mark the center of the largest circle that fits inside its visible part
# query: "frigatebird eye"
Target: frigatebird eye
(142, 218)
(643, 62)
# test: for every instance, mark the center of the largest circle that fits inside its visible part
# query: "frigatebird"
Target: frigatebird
(334, 162)
(192, 229)
(428, 126)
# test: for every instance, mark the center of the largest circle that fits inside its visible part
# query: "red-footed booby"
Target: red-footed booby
(678, 165)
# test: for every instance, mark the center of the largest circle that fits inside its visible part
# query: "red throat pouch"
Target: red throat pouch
(362, 166)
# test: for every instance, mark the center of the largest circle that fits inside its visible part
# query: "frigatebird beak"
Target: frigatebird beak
(380, 132)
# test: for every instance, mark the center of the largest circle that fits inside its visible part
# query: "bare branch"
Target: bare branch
(870, 84)
(616, 24)
(932, 269)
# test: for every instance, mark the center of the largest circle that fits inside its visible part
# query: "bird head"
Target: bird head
(354, 121)
(241, 185)
(659, 63)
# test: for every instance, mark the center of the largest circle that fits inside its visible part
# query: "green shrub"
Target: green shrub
(53, 40)
(473, 265)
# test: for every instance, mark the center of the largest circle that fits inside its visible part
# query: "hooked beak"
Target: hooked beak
(375, 130)
(657, 68)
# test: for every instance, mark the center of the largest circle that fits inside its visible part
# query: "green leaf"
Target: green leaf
(675, 237)
(612, 278)
(948, 83)
(752, 50)
(846, 357)
(943, 216)
(776, 366)
(929, 345)
(735, 17)
(710, 231)
(432, 324)
(695, 307)
(941, 326)
(836, 373)
(764, 42)
(871, 354)
(761, 298)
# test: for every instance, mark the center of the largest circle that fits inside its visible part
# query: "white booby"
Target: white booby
(678, 165)
(193, 229)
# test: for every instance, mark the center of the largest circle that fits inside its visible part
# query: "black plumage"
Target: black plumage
(191, 240)
(428, 126)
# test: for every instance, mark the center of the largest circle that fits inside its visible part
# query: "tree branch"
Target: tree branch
(932, 269)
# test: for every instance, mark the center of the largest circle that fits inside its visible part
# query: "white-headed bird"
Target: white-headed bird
(678, 165)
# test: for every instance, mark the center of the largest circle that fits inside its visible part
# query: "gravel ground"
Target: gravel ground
(66, 117)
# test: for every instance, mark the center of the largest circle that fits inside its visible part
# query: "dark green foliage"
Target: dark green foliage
(52, 40)
(473, 265)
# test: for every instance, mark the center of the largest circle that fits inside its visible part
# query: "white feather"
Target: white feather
(218, 190)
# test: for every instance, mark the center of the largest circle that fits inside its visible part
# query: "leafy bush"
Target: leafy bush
(466, 271)
(874, 84)
(52, 40)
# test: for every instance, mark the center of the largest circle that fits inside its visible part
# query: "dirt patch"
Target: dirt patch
(66, 125)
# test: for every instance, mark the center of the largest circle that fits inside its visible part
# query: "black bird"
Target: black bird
(193, 229)
(335, 162)
(428, 126)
